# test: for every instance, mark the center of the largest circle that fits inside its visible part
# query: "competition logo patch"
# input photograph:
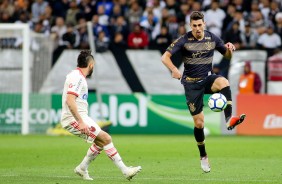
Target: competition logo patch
(192, 107)
(85, 96)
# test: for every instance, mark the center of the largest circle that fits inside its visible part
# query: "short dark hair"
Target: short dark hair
(84, 58)
(196, 15)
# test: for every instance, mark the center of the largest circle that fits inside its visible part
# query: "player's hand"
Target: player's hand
(83, 128)
(175, 73)
(230, 46)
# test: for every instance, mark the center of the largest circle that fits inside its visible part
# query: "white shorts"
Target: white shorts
(94, 128)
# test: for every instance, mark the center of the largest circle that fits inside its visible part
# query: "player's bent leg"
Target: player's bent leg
(104, 139)
(235, 121)
(93, 151)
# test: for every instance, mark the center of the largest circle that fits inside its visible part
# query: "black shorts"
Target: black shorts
(194, 92)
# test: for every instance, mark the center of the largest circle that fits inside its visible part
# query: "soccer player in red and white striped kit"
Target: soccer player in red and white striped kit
(75, 119)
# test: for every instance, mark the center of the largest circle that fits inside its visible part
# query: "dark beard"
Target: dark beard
(90, 73)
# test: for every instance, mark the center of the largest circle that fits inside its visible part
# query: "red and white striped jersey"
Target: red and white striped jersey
(75, 84)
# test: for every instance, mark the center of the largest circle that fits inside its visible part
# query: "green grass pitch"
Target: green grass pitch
(39, 159)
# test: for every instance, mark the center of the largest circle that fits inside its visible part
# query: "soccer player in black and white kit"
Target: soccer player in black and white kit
(75, 119)
(197, 47)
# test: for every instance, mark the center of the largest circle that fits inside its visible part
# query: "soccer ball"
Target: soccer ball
(217, 102)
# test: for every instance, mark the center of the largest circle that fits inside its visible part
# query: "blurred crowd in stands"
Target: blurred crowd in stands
(146, 24)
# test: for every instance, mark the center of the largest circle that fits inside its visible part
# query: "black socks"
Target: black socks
(228, 110)
(200, 138)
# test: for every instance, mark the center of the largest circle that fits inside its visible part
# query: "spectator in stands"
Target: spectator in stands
(233, 35)
(107, 6)
(116, 12)
(103, 17)
(238, 5)
(119, 25)
(86, 10)
(83, 34)
(5, 17)
(239, 18)
(137, 39)
(163, 40)
(150, 25)
(184, 12)
(70, 40)
(249, 82)
(278, 25)
(173, 7)
(47, 19)
(102, 42)
(274, 10)
(180, 31)
(134, 14)
(230, 14)
(72, 13)
(258, 22)
(214, 18)
(264, 9)
(38, 8)
(270, 41)
(158, 5)
(97, 27)
(249, 37)
(7, 6)
(58, 30)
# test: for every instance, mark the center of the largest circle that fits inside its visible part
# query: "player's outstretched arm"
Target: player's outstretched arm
(168, 63)
(73, 108)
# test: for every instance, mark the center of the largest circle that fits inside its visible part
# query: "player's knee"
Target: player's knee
(199, 122)
(224, 82)
(103, 139)
(107, 139)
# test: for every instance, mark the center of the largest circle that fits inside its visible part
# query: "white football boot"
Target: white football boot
(131, 172)
(82, 173)
(205, 164)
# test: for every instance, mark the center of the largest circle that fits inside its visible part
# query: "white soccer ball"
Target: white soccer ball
(217, 102)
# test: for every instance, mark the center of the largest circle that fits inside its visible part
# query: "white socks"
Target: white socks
(92, 153)
(112, 153)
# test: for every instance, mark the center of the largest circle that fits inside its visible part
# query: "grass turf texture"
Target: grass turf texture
(164, 159)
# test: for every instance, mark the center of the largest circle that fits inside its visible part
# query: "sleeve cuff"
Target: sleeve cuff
(73, 93)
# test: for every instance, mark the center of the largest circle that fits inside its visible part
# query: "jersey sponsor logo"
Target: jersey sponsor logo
(198, 54)
(85, 96)
(190, 39)
(192, 107)
(208, 38)
(79, 83)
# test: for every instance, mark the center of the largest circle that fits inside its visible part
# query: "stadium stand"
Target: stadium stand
(108, 74)
(153, 75)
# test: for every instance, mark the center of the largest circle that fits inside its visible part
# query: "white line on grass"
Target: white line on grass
(161, 178)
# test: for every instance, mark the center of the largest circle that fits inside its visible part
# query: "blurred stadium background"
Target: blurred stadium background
(40, 41)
